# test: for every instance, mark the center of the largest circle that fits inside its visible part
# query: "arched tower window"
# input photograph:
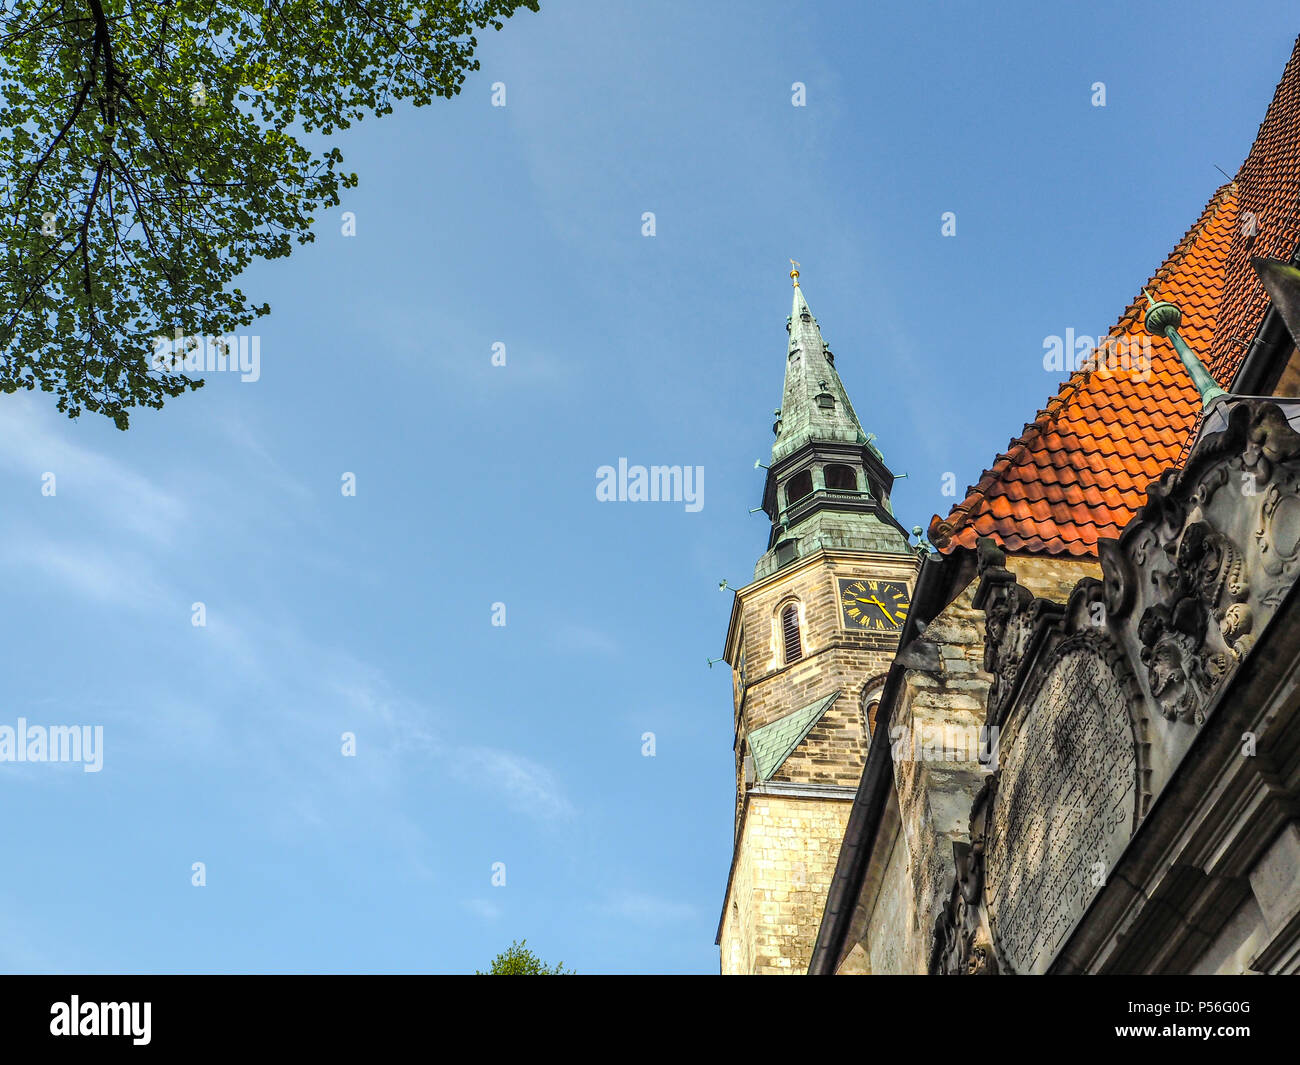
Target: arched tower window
(790, 633)
(799, 485)
(841, 477)
(870, 705)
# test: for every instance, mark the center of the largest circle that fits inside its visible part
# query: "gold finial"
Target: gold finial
(794, 272)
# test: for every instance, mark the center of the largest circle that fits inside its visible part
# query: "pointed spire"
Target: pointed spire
(827, 486)
(814, 403)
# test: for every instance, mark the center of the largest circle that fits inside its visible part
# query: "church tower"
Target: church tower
(809, 642)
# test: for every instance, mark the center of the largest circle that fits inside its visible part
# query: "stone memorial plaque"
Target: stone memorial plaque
(1064, 810)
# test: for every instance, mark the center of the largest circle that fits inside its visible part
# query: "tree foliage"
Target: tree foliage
(150, 150)
(518, 960)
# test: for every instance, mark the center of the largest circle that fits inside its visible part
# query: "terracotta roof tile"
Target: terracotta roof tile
(1080, 470)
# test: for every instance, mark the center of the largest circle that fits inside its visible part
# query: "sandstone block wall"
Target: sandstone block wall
(788, 849)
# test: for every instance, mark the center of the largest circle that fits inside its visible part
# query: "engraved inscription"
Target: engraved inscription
(1064, 810)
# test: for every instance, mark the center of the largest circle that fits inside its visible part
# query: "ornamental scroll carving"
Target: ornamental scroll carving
(1200, 570)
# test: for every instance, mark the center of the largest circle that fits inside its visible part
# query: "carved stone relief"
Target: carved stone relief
(1099, 698)
(1067, 804)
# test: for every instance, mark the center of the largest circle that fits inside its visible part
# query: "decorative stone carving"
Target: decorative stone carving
(1011, 615)
(1207, 559)
(963, 940)
(1099, 698)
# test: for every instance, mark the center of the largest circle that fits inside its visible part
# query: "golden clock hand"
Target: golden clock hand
(883, 610)
(876, 602)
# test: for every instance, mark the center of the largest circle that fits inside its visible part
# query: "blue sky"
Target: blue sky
(521, 225)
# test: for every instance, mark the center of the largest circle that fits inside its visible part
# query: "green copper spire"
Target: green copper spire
(827, 486)
(814, 404)
(1163, 319)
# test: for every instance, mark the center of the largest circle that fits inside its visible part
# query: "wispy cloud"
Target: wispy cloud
(87, 570)
(489, 911)
(237, 429)
(34, 443)
(522, 784)
(260, 694)
(641, 908)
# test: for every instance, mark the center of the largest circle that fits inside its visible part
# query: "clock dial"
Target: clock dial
(871, 605)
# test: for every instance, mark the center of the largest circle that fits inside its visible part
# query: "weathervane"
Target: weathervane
(794, 272)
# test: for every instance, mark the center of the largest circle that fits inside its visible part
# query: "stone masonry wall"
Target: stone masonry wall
(788, 846)
(788, 850)
(833, 659)
(934, 735)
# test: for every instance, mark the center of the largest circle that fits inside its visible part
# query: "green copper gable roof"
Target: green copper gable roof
(776, 741)
(814, 404)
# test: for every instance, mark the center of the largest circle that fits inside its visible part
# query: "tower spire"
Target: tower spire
(828, 485)
(808, 640)
(814, 402)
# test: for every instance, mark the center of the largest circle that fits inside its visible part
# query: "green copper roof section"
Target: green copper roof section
(836, 531)
(772, 744)
(814, 404)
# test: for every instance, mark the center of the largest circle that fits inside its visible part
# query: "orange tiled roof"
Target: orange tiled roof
(1080, 470)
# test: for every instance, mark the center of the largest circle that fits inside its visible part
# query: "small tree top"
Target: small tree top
(518, 960)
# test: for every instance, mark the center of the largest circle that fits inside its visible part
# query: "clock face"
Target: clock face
(870, 605)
